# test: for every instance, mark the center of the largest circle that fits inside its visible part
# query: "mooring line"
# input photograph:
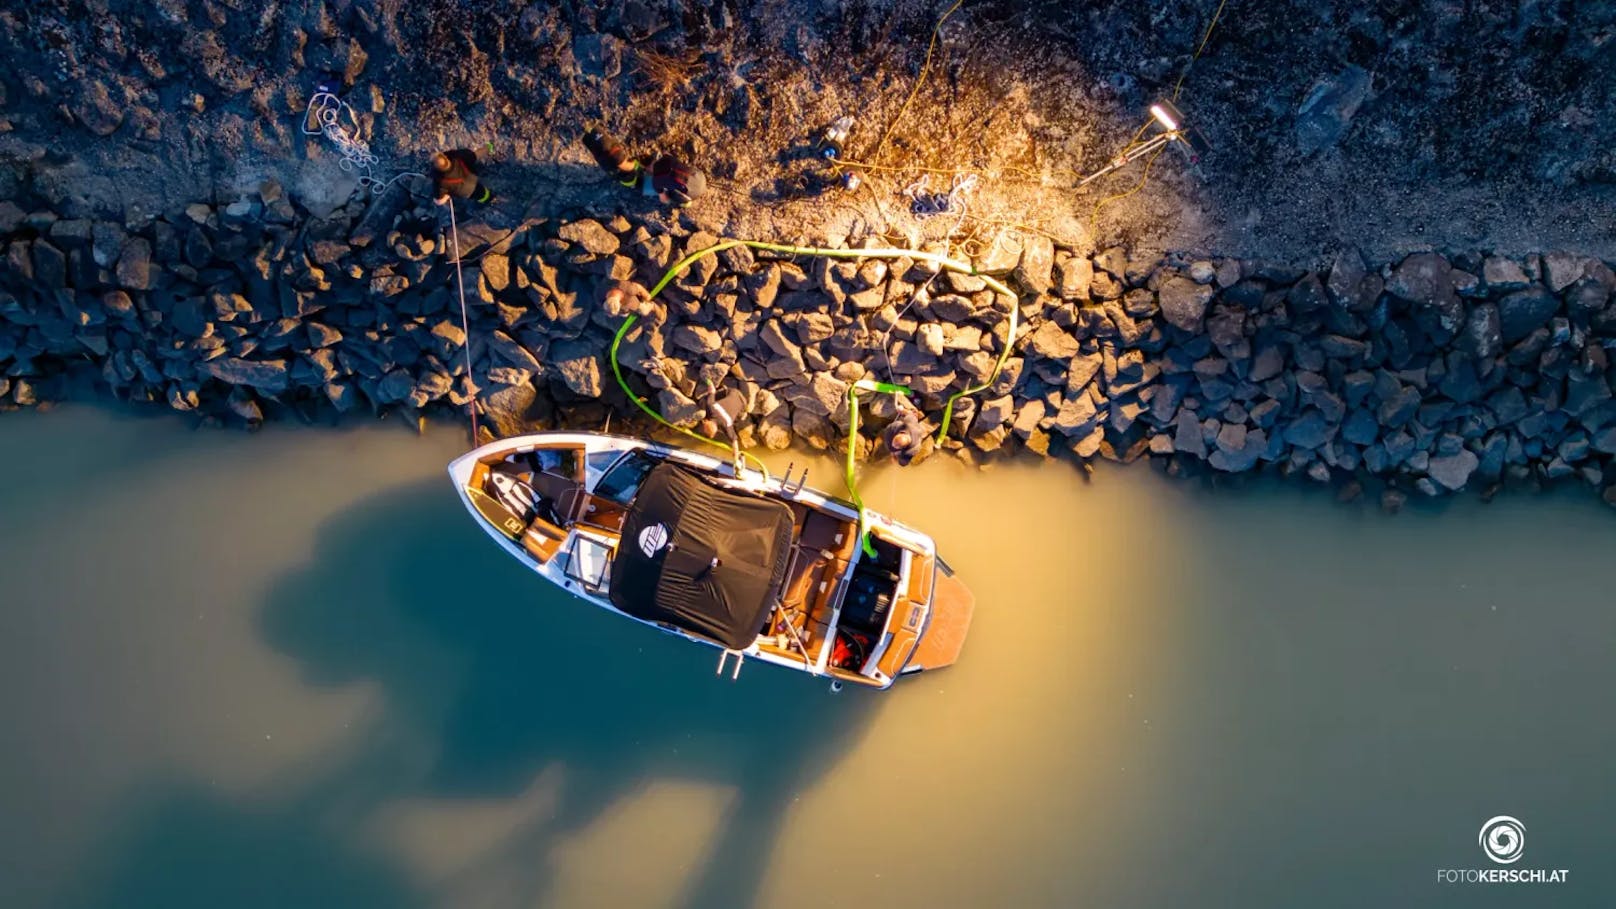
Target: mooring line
(465, 325)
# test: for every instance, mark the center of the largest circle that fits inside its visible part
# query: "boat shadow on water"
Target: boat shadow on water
(488, 678)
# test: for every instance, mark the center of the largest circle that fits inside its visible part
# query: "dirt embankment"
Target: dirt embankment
(1391, 126)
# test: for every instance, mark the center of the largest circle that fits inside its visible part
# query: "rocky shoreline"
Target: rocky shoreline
(1428, 375)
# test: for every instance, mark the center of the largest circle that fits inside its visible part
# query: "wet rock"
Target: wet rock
(1453, 471)
(1238, 448)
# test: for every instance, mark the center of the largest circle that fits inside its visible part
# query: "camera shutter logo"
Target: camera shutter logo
(652, 539)
(1503, 839)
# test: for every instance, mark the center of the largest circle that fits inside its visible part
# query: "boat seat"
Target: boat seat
(543, 540)
(808, 571)
(821, 532)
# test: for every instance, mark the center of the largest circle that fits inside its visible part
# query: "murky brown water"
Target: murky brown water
(286, 670)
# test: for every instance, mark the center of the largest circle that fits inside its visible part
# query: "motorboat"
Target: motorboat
(721, 553)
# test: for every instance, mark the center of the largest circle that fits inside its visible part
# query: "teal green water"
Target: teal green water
(285, 670)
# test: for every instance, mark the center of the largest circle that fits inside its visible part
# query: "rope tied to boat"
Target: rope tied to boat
(465, 325)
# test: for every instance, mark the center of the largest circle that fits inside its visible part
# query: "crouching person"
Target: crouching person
(669, 179)
(905, 436)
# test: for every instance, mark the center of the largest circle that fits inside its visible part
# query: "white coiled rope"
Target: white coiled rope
(331, 117)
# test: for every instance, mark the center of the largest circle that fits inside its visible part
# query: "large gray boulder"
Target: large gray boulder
(1183, 302)
(268, 376)
(1522, 312)
(1453, 471)
(578, 365)
(1035, 270)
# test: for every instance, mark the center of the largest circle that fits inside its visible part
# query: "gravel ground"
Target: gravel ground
(1391, 126)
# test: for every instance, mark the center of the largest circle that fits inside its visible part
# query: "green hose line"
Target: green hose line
(639, 402)
(941, 261)
(852, 446)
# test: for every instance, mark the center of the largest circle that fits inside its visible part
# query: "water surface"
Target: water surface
(286, 670)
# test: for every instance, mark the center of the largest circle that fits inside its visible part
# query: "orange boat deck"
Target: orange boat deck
(952, 606)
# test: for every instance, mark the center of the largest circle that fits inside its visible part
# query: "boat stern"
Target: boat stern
(951, 608)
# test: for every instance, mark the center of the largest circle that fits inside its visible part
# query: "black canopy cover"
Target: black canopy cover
(676, 527)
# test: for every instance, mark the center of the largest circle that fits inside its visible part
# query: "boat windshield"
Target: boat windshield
(620, 483)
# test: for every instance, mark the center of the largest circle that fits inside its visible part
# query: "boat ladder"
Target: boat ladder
(723, 658)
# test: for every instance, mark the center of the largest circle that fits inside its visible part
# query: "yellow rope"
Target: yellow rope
(920, 80)
(1201, 47)
(1144, 178)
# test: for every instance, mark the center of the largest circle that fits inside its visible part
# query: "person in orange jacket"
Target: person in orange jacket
(454, 173)
(669, 179)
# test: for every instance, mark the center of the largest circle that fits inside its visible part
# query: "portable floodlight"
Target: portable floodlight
(1164, 116)
(1171, 131)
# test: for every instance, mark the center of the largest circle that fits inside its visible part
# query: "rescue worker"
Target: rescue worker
(906, 435)
(623, 298)
(669, 179)
(675, 182)
(454, 173)
(722, 413)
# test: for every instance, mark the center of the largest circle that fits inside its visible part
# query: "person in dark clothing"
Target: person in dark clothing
(722, 413)
(454, 173)
(613, 158)
(675, 182)
(671, 180)
(724, 410)
(906, 435)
